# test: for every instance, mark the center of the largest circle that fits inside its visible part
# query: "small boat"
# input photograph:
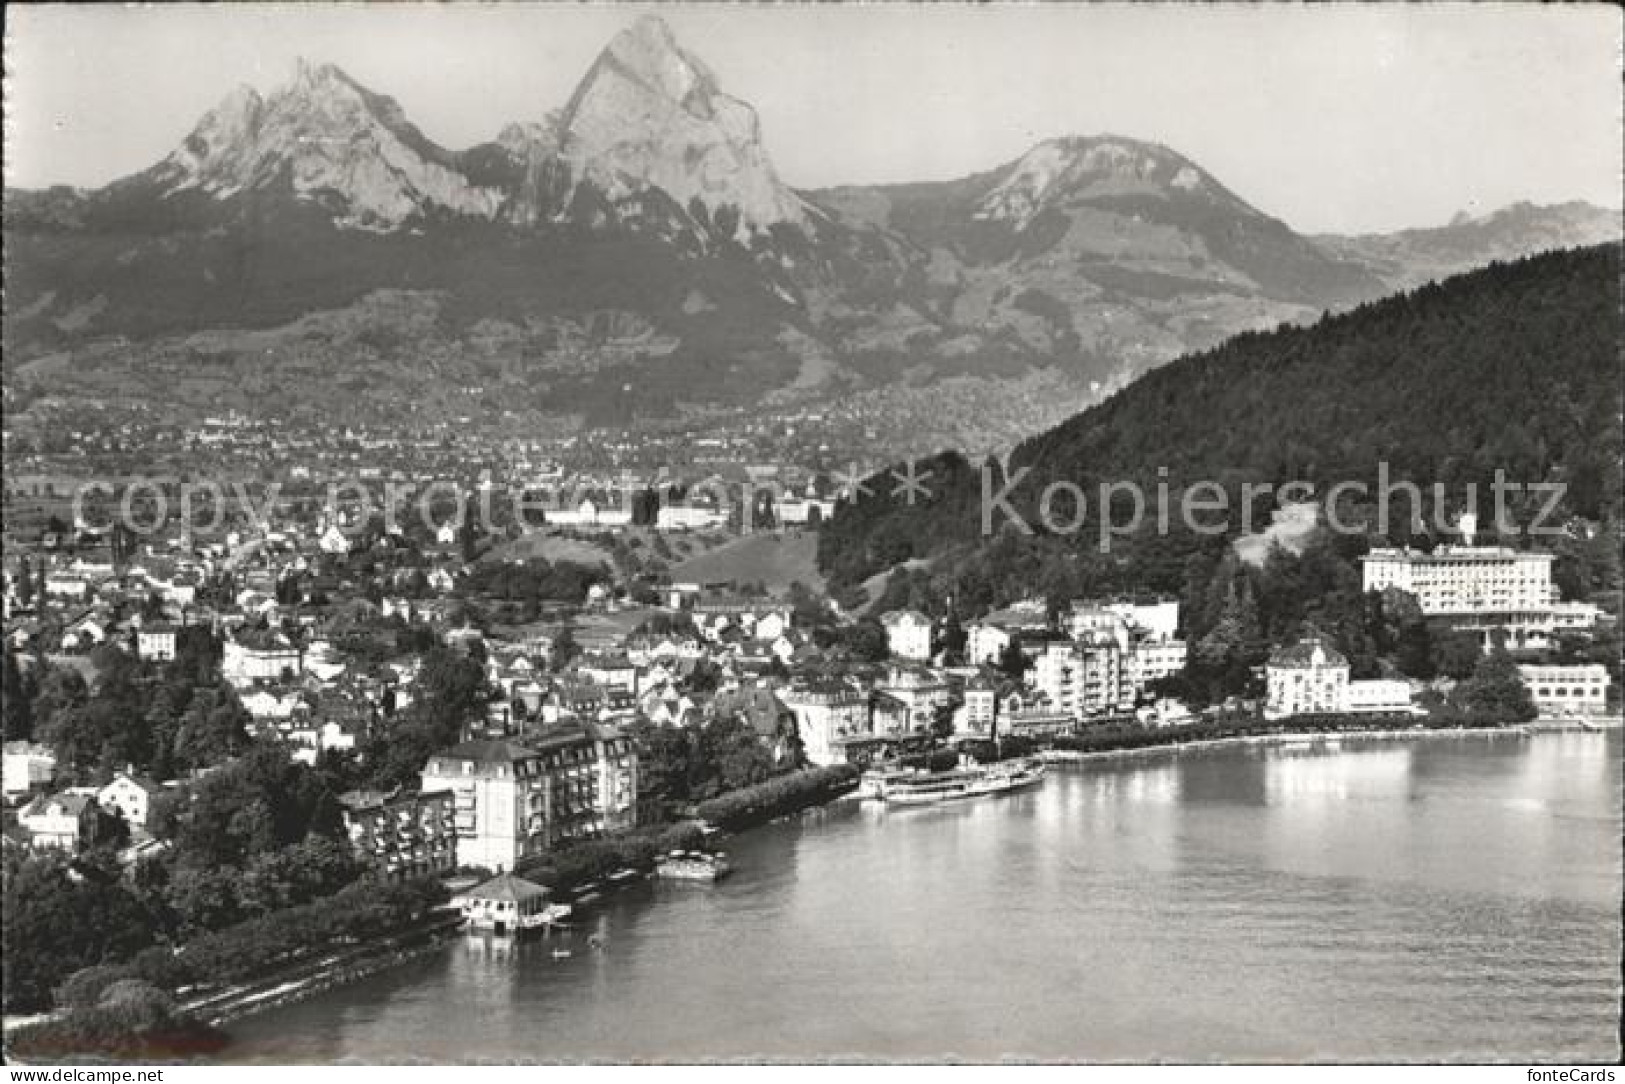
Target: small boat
(692, 866)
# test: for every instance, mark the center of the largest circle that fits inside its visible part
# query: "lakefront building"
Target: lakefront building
(512, 799)
(1568, 690)
(260, 655)
(1379, 696)
(1306, 678)
(827, 711)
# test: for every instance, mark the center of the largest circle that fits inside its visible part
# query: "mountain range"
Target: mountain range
(635, 252)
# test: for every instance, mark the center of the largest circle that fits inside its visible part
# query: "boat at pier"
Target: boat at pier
(872, 783)
(968, 781)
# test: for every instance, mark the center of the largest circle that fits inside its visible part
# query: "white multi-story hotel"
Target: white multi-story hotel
(512, 800)
(1106, 684)
(1121, 648)
(1057, 673)
(1464, 579)
(1481, 589)
(1085, 677)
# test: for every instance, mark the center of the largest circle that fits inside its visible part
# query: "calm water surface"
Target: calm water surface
(1436, 899)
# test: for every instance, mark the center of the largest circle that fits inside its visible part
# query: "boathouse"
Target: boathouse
(505, 904)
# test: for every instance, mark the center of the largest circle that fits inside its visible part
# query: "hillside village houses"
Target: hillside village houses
(260, 656)
(156, 641)
(28, 767)
(61, 822)
(130, 795)
(1305, 678)
(987, 639)
(985, 643)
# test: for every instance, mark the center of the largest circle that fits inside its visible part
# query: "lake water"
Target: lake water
(1434, 899)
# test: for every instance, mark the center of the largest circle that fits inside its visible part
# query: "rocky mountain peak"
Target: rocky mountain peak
(649, 114)
(524, 139)
(331, 139)
(647, 51)
(1078, 168)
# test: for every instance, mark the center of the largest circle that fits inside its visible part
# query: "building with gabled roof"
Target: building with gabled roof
(1305, 678)
(507, 904)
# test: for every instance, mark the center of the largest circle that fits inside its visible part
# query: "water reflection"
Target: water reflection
(1436, 899)
(1311, 778)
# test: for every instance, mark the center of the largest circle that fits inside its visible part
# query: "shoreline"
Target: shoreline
(365, 961)
(361, 962)
(273, 991)
(1310, 737)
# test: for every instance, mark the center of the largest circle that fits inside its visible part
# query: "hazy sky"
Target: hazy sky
(1345, 118)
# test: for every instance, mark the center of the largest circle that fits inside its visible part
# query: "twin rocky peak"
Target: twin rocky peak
(648, 132)
(648, 118)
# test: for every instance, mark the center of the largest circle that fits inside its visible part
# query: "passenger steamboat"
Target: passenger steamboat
(905, 787)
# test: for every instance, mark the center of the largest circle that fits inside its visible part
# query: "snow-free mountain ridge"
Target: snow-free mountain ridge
(648, 200)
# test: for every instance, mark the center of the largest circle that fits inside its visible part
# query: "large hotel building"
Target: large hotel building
(1481, 589)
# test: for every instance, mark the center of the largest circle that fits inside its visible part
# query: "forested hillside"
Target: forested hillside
(1515, 367)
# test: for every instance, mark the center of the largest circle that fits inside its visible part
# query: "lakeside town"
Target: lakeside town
(752, 534)
(209, 735)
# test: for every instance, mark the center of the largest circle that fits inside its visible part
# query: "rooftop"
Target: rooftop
(1454, 553)
(1303, 654)
(507, 887)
